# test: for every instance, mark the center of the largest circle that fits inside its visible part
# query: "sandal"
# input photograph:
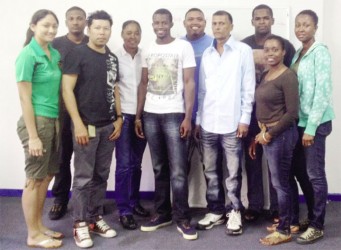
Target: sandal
(54, 235)
(275, 238)
(294, 229)
(47, 244)
(251, 215)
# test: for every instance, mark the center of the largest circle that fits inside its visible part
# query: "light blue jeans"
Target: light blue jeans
(232, 148)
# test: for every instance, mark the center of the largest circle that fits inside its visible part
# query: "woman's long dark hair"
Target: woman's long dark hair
(37, 16)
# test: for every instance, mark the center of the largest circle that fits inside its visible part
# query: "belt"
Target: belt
(264, 126)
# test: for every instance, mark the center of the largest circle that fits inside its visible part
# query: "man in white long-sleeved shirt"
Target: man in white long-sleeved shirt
(226, 94)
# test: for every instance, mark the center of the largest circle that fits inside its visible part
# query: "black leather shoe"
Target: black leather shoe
(128, 222)
(57, 211)
(140, 211)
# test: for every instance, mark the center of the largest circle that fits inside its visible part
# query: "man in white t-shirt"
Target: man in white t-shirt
(165, 104)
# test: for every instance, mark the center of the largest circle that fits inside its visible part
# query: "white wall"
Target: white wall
(15, 18)
(333, 39)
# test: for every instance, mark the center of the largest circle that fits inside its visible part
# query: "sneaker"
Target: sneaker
(294, 229)
(310, 236)
(57, 211)
(275, 238)
(187, 231)
(234, 224)
(101, 228)
(156, 222)
(81, 235)
(210, 220)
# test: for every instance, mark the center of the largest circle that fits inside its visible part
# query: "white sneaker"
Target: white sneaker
(81, 235)
(102, 229)
(234, 224)
(210, 220)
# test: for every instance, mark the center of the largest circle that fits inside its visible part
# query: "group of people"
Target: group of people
(180, 95)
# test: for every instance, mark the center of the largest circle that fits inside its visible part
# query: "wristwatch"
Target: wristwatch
(120, 116)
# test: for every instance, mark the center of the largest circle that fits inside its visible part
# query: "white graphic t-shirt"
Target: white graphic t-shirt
(165, 65)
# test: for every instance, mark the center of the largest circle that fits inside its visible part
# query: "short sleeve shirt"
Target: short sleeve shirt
(94, 90)
(33, 65)
(165, 64)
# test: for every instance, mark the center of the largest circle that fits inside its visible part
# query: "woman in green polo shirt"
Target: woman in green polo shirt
(38, 78)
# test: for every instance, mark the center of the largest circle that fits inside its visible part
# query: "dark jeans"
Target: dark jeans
(299, 171)
(129, 153)
(315, 166)
(169, 157)
(254, 173)
(214, 173)
(92, 166)
(62, 181)
(193, 145)
(279, 154)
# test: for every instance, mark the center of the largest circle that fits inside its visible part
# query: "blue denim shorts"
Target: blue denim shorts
(38, 167)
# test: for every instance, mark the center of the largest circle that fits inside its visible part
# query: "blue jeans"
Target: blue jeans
(299, 171)
(279, 154)
(169, 157)
(254, 173)
(232, 149)
(129, 153)
(315, 163)
(92, 166)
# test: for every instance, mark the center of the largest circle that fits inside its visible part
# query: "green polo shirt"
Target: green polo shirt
(33, 65)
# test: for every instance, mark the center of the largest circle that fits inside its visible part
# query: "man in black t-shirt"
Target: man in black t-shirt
(75, 22)
(90, 93)
(262, 20)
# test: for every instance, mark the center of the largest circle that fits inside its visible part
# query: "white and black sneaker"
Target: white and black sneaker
(234, 224)
(81, 235)
(210, 220)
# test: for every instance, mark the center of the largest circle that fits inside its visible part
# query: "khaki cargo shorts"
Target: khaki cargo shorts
(38, 167)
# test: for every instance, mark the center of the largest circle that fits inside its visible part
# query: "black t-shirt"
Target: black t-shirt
(64, 45)
(94, 91)
(289, 48)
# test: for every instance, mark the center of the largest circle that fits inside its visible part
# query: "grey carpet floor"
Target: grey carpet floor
(13, 231)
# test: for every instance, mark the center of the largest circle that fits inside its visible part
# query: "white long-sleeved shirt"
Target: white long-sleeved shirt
(226, 87)
(130, 70)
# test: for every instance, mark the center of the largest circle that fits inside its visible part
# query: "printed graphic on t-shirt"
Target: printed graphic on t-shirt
(111, 78)
(163, 74)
